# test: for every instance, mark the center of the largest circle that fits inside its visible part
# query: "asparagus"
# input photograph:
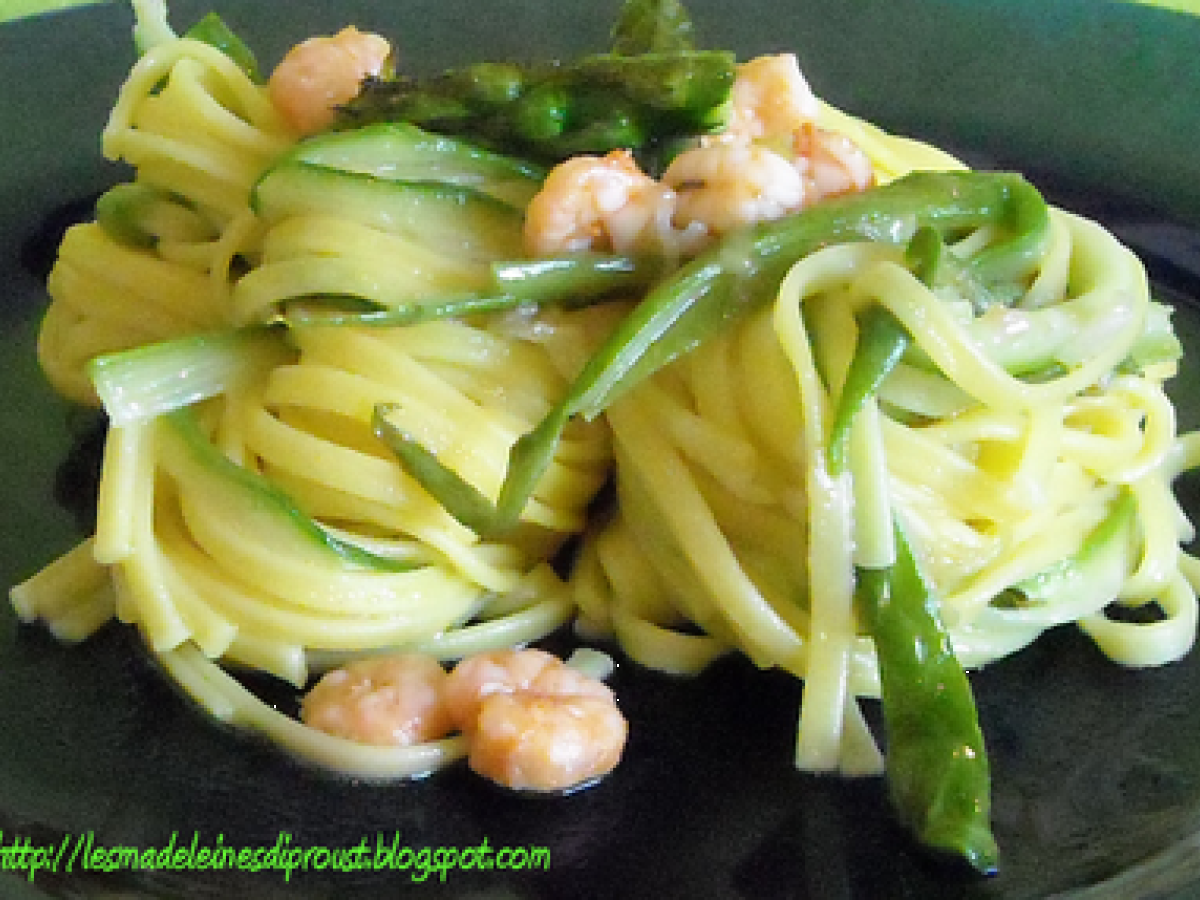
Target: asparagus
(937, 766)
(652, 26)
(552, 111)
(652, 89)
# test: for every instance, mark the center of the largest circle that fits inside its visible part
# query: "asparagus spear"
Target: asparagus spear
(551, 111)
(652, 26)
(937, 767)
(652, 88)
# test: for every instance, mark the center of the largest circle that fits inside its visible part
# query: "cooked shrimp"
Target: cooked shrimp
(830, 163)
(769, 98)
(534, 723)
(771, 161)
(318, 74)
(725, 186)
(388, 701)
(772, 121)
(595, 202)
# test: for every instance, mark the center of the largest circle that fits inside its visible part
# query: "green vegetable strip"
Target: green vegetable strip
(1098, 568)
(574, 279)
(1025, 221)
(457, 496)
(122, 209)
(260, 496)
(212, 30)
(331, 310)
(571, 281)
(153, 379)
(152, 28)
(742, 273)
(652, 26)
(882, 341)
(937, 767)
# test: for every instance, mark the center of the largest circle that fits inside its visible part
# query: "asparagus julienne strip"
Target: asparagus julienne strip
(882, 341)
(568, 280)
(937, 767)
(457, 495)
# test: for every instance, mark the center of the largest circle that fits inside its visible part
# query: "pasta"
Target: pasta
(186, 556)
(267, 332)
(199, 141)
(720, 477)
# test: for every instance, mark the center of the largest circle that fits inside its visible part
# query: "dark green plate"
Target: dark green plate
(1097, 769)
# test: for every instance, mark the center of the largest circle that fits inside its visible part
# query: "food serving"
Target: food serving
(372, 346)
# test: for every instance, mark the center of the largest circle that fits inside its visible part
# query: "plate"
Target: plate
(1096, 768)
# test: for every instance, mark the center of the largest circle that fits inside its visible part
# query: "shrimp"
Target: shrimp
(725, 186)
(769, 98)
(387, 701)
(531, 722)
(595, 202)
(830, 163)
(534, 723)
(318, 74)
(771, 160)
(740, 175)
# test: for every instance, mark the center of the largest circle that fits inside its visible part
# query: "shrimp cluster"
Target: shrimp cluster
(321, 73)
(531, 721)
(534, 723)
(771, 160)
